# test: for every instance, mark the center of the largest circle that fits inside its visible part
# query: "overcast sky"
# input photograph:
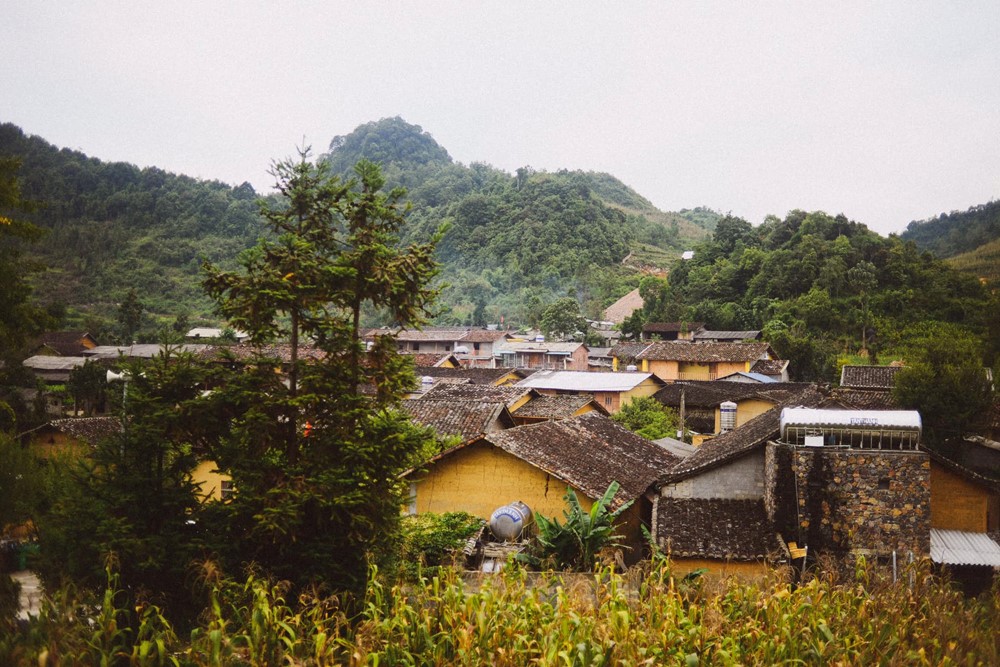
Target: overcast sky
(884, 111)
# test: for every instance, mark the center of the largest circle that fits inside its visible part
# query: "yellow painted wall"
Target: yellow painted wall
(50, 443)
(207, 475)
(958, 504)
(665, 370)
(745, 411)
(480, 478)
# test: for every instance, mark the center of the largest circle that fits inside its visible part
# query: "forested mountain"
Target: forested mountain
(957, 232)
(819, 286)
(515, 242)
(112, 226)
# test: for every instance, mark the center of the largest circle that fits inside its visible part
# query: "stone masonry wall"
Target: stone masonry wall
(863, 501)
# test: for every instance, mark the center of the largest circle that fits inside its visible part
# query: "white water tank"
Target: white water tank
(508, 522)
(727, 416)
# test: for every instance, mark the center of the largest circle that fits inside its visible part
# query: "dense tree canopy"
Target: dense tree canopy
(819, 285)
(315, 461)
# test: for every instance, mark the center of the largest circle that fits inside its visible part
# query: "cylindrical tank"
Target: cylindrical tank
(508, 522)
(727, 416)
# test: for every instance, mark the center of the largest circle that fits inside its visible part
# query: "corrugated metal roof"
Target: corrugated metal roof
(959, 547)
(584, 381)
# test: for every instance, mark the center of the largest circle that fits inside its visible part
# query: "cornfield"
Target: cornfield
(643, 617)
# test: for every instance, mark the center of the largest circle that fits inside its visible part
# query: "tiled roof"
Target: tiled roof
(466, 419)
(507, 394)
(245, 352)
(627, 352)
(727, 335)
(555, 407)
(869, 377)
(66, 343)
(729, 445)
(672, 327)
(712, 393)
(864, 399)
(440, 334)
(623, 307)
(584, 381)
(769, 366)
(89, 429)
(716, 528)
(704, 352)
(428, 359)
(487, 376)
(733, 444)
(589, 452)
(527, 347)
(141, 351)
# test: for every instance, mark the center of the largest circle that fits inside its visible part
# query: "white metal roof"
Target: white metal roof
(959, 547)
(584, 381)
(888, 419)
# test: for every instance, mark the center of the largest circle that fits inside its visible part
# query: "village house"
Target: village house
(800, 482)
(704, 401)
(610, 390)
(462, 419)
(63, 343)
(541, 355)
(563, 406)
(671, 330)
(473, 346)
(623, 308)
(535, 464)
(511, 396)
(679, 360)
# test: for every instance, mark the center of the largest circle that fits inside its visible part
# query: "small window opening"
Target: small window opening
(883, 484)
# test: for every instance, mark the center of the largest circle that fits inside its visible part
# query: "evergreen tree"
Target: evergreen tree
(315, 460)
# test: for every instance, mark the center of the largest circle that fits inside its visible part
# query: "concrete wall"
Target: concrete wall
(742, 479)
(958, 504)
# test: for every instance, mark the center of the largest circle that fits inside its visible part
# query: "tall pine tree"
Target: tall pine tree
(315, 451)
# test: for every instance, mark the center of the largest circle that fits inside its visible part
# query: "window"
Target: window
(226, 489)
(883, 484)
(416, 347)
(607, 400)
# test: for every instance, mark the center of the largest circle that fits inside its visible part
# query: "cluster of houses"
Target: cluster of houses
(764, 471)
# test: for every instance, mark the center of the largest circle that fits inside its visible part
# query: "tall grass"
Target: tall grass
(643, 617)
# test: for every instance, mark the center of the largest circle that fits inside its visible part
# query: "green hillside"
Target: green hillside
(983, 262)
(516, 241)
(957, 232)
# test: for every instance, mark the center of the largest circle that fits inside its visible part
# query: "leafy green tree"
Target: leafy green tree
(316, 461)
(647, 417)
(945, 379)
(574, 545)
(130, 317)
(88, 385)
(21, 319)
(562, 318)
(133, 498)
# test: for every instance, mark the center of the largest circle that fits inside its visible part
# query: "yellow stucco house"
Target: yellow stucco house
(536, 463)
(610, 390)
(687, 360)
